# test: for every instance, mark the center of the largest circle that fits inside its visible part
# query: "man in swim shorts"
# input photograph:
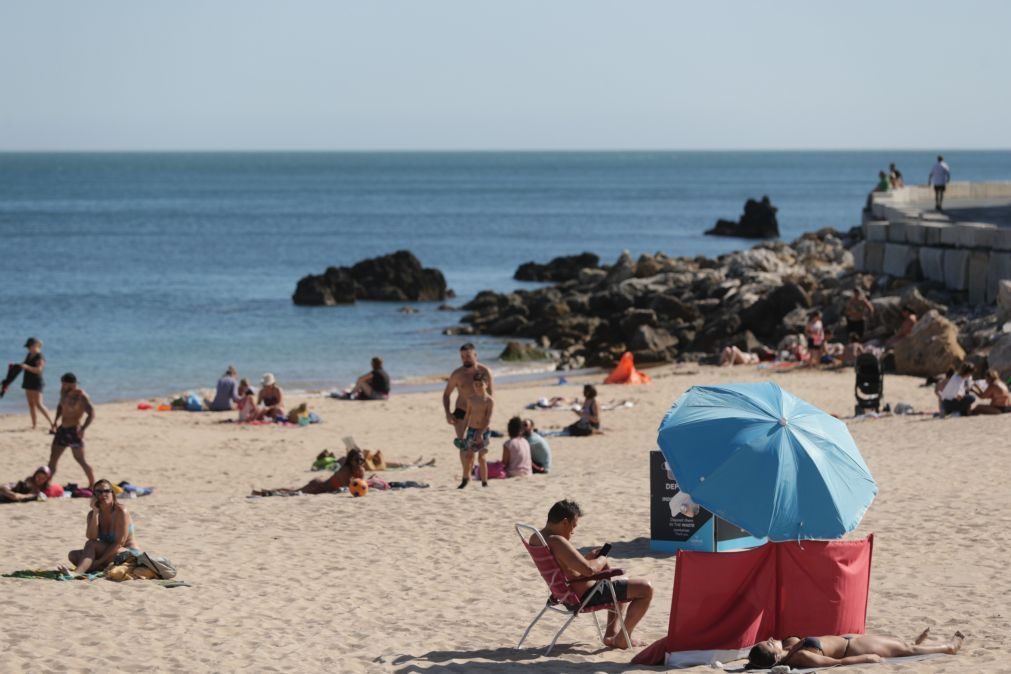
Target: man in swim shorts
(462, 381)
(74, 404)
(478, 421)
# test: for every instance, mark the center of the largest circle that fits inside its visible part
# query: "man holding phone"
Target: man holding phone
(562, 520)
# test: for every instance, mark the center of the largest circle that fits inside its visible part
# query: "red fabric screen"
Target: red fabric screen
(731, 600)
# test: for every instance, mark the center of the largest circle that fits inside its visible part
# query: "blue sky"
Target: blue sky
(516, 74)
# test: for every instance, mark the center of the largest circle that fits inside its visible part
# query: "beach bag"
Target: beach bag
(165, 569)
(194, 404)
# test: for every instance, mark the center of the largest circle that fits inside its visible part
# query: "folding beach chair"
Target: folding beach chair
(563, 599)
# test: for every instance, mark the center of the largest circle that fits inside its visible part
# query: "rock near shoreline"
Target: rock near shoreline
(667, 309)
(398, 277)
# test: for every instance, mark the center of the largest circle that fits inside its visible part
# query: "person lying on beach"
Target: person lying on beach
(516, 451)
(353, 466)
(589, 414)
(479, 408)
(374, 385)
(28, 489)
(732, 355)
(271, 397)
(374, 460)
(846, 649)
(557, 532)
(109, 532)
(996, 392)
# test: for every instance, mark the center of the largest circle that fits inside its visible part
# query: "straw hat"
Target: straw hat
(268, 380)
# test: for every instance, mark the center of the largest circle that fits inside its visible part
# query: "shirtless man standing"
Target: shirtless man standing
(462, 381)
(480, 406)
(74, 404)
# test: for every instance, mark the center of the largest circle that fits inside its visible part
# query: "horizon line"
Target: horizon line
(493, 150)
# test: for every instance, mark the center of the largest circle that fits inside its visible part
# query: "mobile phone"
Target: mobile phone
(604, 549)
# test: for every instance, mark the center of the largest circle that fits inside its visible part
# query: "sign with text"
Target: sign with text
(670, 531)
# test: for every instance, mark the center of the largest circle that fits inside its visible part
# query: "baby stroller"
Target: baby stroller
(870, 385)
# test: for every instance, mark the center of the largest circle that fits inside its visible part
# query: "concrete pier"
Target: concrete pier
(967, 246)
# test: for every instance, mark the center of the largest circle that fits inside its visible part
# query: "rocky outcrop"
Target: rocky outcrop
(757, 222)
(1000, 356)
(662, 308)
(391, 278)
(932, 347)
(565, 268)
(517, 352)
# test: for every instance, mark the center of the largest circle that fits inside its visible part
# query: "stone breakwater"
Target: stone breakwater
(665, 309)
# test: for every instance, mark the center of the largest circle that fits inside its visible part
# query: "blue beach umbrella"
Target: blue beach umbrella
(766, 461)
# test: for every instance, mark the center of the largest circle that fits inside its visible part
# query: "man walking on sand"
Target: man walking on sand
(74, 404)
(562, 520)
(462, 381)
(939, 177)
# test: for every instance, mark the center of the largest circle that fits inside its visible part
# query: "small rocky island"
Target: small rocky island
(390, 278)
(757, 222)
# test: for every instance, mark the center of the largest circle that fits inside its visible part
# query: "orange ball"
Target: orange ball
(358, 487)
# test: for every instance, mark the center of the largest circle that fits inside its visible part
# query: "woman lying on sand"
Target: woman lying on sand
(848, 649)
(353, 466)
(109, 532)
(27, 489)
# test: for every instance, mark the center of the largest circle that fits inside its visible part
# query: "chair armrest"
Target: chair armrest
(610, 573)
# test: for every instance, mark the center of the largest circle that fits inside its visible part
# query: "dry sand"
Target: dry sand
(436, 580)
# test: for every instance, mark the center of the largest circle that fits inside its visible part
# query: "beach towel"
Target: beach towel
(49, 574)
(496, 471)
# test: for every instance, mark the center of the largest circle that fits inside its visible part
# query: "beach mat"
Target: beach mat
(52, 574)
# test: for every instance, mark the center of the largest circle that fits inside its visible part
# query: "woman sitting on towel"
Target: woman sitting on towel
(848, 649)
(353, 466)
(109, 532)
(27, 489)
(589, 414)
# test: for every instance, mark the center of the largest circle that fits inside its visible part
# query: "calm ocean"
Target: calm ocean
(149, 273)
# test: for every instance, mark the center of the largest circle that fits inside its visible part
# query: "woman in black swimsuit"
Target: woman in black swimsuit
(847, 649)
(32, 382)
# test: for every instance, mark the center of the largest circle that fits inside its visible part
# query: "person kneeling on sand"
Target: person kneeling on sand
(846, 649)
(109, 532)
(996, 392)
(589, 414)
(562, 520)
(353, 466)
(30, 489)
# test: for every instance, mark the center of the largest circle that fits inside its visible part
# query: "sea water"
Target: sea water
(147, 274)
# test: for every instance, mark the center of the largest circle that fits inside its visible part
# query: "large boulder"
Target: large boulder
(764, 317)
(931, 348)
(391, 278)
(517, 351)
(758, 222)
(1000, 356)
(565, 268)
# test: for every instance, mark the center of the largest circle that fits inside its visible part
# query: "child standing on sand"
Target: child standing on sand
(478, 421)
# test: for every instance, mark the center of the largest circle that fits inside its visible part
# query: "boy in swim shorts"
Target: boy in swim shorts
(479, 409)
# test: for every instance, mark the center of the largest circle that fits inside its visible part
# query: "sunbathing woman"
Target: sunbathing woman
(27, 489)
(353, 466)
(109, 532)
(847, 649)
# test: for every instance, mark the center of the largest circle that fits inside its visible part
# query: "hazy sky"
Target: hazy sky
(513, 74)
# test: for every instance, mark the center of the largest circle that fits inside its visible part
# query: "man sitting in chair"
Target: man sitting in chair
(562, 520)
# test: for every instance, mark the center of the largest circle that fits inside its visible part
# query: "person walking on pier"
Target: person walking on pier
(939, 177)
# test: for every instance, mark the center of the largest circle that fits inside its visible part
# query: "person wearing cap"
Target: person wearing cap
(227, 392)
(271, 397)
(32, 382)
(74, 404)
(29, 489)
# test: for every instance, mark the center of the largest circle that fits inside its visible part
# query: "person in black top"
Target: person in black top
(373, 385)
(32, 382)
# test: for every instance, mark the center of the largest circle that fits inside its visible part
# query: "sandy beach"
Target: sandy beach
(435, 579)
